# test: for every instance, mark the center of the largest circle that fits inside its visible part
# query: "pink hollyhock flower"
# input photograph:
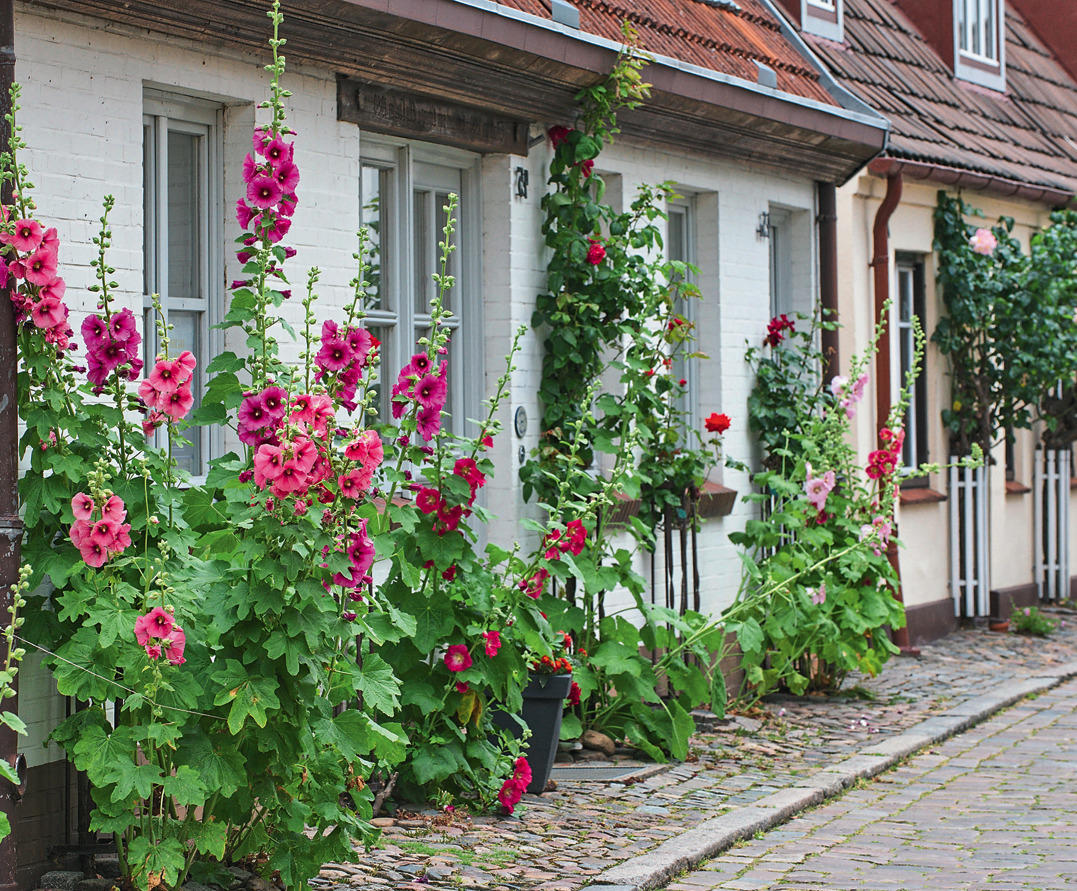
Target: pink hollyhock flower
(253, 414)
(82, 506)
(264, 191)
(458, 658)
(333, 355)
(103, 532)
(352, 483)
(367, 449)
(40, 266)
(277, 151)
(304, 454)
(178, 403)
(493, 642)
(427, 500)
(575, 537)
(268, 464)
(818, 488)
(533, 586)
(244, 214)
(26, 237)
(54, 289)
(149, 395)
(287, 176)
(596, 253)
(302, 409)
(428, 423)
(157, 623)
(187, 362)
(48, 313)
(164, 377)
(818, 597)
(250, 169)
(153, 651)
(51, 240)
(151, 422)
(114, 509)
(983, 242)
(175, 644)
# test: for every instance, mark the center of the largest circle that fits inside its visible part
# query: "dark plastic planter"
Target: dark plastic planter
(544, 698)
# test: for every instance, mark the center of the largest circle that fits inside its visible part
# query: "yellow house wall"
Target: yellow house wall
(924, 528)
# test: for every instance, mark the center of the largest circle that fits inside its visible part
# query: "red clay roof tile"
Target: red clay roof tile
(716, 37)
(1027, 134)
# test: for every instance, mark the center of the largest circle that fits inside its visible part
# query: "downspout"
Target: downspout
(827, 221)
(881, 265)
(10, 522)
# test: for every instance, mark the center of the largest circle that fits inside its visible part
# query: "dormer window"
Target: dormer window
(977, 28)
(980, 42)
(822, 18)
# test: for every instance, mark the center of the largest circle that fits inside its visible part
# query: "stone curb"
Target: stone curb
(657, 867)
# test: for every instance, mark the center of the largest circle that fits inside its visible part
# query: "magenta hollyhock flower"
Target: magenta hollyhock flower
(431, 391)
(259, 139)
(252, 413)
(174, 646)
(398, 403)
(334, 354)
(94, 332)
(250, 169)
(575, 537)
(287, 176)
(26, 238)
(157, 623)
(264, 191)
(280, 228)
(287, 208)
(244, 214)
(458, 658)
(361, 550)
(82, 506)
(274, 402)
(427, 500)
(277, 151)
(361, 342)
(122, 326)
(493, 642)
(40, 266)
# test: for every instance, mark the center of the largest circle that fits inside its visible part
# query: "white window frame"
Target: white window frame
(415, 165)
(823, 18)
(689, 403)
(165, 112)
(985, 66)
(908, 270)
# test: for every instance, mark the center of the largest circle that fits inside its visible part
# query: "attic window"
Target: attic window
(979, 38)
(822, 18)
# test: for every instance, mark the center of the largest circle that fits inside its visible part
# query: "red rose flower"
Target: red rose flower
(717, 423)
(558, 134)
(596, 254)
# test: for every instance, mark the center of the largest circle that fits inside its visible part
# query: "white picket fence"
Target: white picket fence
(969, 566)
(1051, 523)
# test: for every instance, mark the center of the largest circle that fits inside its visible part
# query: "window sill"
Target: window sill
(716, 500)
(920, 495)
(1013, 487)
(1073, 482)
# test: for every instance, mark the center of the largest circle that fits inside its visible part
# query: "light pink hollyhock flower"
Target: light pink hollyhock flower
(818, 597)
(114, 509)
(175, 645)
(858, 388)
(264, 191)
(838, 384)
(157, 623)
(147, 392)
(268, 464)
(177, 404)
(366, 448)
(818, 488)
(983, 242)
(122, 541)
(26, 238)
(493, 642)
(41, 266)
(153, 651)
(458, 658)
(166, 377)
(82, 506)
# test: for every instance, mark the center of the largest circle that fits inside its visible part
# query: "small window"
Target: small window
(977, 23)
(823, 18)
(181, 257)
(910, 280)
(403, 192)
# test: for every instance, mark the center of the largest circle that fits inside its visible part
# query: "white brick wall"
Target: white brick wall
(82, 116)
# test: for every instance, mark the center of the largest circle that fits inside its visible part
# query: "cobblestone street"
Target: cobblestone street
(994, 808)
(564, 839)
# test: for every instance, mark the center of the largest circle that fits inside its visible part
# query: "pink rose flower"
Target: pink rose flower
(983, 242)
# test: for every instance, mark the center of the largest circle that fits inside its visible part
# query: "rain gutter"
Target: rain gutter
(983, 182)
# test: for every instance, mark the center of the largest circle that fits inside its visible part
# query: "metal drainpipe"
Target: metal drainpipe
(10, 522)
(827, 221)
(881, 265)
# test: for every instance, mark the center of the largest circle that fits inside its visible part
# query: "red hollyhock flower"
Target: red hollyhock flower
(717, 423)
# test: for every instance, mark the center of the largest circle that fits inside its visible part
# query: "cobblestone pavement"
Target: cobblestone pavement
(559, 840)
(992, 809)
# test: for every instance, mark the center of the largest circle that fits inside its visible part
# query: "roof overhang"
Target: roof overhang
(480, 54)
(997, 186)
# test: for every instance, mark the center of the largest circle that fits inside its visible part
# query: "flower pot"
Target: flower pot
(1002, 626)
(544, 699)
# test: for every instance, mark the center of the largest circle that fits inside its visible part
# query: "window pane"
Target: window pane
(676, 243)
(184, 224)
(149, 218)
(423, 249)
(374, 189)
(186, 335)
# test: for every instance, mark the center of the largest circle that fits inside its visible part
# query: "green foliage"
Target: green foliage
(1030, 620)
(1008, 334)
